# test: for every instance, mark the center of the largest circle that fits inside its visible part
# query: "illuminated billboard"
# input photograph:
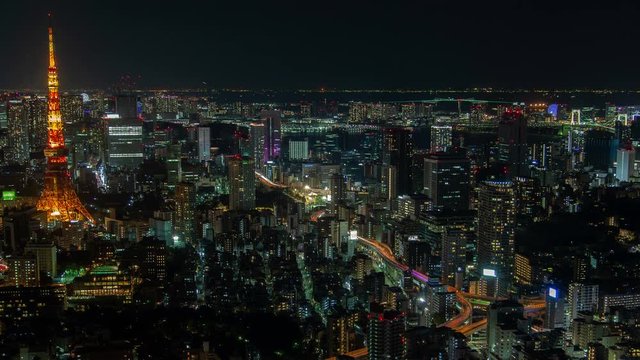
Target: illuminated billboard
(489, 272)
(553, 293)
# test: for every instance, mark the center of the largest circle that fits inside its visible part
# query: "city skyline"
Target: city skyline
(322, 224)
(332, 45)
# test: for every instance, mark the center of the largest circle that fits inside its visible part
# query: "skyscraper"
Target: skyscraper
(71, 108)
(185, 216)
(272, 135)
(36, 108)
(625, 162)
(124, 134)
(338, 191)
(298, 149)
(397, 152)
(204, 144)
(581, 297)
(242, 183)
(599, 149)
(496, 232)
(554, 309)
(174, 164)
(441, 138)
(512, 143)
(58, 199)
(449, 232)
(446, 180)
(256, 136)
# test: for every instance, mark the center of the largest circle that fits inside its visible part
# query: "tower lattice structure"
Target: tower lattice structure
(58, 199)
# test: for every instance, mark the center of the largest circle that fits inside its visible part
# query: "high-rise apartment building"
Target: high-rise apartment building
(386, 334)
(36, 112)
(581, 297)
(18, 133)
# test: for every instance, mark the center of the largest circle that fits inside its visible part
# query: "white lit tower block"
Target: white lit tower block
(441, 138)
(626, 157)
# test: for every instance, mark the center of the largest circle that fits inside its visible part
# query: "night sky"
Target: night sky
(333, 43)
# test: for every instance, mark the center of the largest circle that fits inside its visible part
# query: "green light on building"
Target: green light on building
(8, 195)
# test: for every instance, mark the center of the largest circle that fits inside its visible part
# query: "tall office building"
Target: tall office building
(397, 153)
(18, 133)
(298, 149)
(242, 183)
(512, 143)
(599, 149)
(581, 297)
(554, 316)
(185, 215)
(386, 334)
(446, 180)
(441, 138)
(204, 144)
(418, 254)
(46, 257)
(338, 191)
(23, 271)
(496, 233)
(625, 162)
(124, 134)
(448, 232)
(272, 135)
(174, 164)
(154, 254)
(256, 136)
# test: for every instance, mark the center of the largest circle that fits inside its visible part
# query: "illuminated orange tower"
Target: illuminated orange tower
(58, 199)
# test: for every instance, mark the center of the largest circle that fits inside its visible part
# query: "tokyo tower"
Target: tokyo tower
(58, 199)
